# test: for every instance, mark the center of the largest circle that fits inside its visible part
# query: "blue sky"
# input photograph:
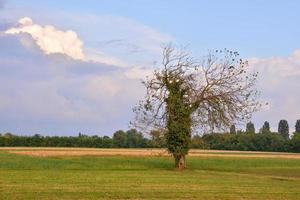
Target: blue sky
(48, 90)
(257, 28)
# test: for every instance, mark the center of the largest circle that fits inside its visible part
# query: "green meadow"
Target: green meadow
(124, 177)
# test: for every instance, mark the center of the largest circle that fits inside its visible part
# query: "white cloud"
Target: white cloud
(50, 39)
(113, 40)
(279, 83)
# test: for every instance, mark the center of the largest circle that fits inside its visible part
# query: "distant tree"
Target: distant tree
(232, 129)
(157, 137)
(297, 126)
(186, 94)
(134, 138)
(8, 135)
(221, 141)
(197, 142)
(283, 128)
(120, 139)
(294, 143)
(107, 142)
(250, 128)
(266, 127)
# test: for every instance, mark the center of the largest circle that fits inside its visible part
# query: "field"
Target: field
(70, 173)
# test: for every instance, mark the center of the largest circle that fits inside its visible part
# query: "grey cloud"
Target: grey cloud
(58, 95)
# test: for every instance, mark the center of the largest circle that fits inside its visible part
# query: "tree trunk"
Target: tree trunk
(180, 162)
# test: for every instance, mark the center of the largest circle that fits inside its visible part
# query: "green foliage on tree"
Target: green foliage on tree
(283, 128)
(157, 138)
(250, 128)
(232, 129)
(178, 136)
(120, 139)
(198, 143)
(134, 139)
(246, 142)
(297, 126)
(265, 128)
(294, 143)
(129, 139)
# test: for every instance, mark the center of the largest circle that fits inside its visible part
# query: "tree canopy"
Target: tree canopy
(266, 127)
(283, 128)
(297, 126)
(250, 128)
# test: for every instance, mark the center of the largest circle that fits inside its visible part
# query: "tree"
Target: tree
(120, 139)
(197, 142)
(250, 128)
(157, 138)
(266, 127)
(297, 126)
(134, 138)
(283, 128)
(186, 94)
(232, 129)
(294, 143)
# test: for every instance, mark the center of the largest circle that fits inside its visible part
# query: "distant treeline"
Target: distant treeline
(248, 140)
(120, 139)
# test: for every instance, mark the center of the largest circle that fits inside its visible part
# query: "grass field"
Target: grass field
(146, 176)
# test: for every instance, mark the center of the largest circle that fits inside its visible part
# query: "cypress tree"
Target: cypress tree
(283, 128)
(250, 128)
(232, 129)
(266, 127)
(297, 126)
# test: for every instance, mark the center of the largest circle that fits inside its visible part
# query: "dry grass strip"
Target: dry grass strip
(49, 151)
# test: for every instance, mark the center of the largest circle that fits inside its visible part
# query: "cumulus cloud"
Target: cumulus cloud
(50, 39)
(113, 39)
(279, 82)
(119, 41)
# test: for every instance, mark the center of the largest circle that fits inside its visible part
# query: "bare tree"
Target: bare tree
(187, 94)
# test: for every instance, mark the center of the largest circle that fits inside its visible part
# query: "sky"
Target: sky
(77, 66)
